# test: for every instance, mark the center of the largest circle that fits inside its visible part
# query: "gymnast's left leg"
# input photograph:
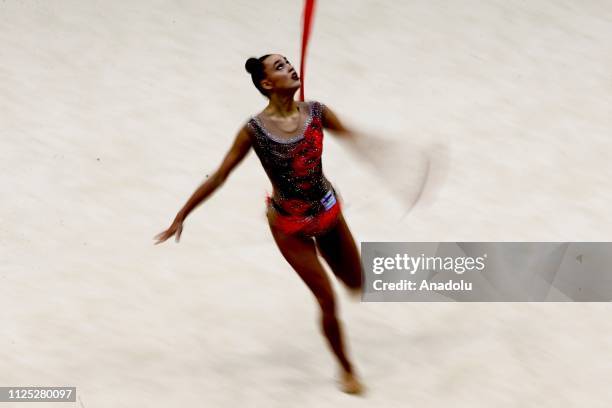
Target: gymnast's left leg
(337, 246)
(339, 250)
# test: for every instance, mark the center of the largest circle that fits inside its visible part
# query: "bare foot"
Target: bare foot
(350, 384)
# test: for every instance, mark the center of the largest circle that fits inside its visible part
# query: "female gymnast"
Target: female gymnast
(303, 212)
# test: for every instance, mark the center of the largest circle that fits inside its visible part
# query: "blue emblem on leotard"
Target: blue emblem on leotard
(329, 200)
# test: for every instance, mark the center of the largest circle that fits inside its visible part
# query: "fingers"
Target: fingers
(164, 235)
(161, 234)
(160, 237)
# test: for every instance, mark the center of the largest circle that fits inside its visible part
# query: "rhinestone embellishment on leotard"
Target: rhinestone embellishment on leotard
(294, 165)
(286, 140)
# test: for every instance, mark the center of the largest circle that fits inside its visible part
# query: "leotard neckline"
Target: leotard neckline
(291, 139)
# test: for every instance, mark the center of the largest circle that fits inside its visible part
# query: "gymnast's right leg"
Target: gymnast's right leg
(301, 254)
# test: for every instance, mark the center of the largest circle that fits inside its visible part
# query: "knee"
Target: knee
(355, 281)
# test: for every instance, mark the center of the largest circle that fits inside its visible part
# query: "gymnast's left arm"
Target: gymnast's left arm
(360, 143)
(333, 123)
(370, 148)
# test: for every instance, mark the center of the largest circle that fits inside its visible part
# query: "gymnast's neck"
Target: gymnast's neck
(282, 104)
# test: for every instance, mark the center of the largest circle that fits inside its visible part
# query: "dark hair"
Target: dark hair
(255, 67)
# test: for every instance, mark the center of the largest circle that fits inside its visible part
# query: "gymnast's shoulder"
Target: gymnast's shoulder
(329, 119)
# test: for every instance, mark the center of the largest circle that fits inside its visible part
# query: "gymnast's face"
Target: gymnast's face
(280, 75)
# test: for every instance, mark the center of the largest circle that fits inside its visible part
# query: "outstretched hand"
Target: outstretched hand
(175, 228)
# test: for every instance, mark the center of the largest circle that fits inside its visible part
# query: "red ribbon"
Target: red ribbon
(307, 24)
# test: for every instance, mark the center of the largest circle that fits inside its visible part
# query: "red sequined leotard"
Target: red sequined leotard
(303, 200)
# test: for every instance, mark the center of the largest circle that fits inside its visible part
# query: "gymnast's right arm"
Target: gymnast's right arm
(241, 146)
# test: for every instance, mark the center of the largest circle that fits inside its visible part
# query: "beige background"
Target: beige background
(113, 112)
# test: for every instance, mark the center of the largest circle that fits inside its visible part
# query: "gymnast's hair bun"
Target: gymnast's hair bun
(252, 65)
(255, 67)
